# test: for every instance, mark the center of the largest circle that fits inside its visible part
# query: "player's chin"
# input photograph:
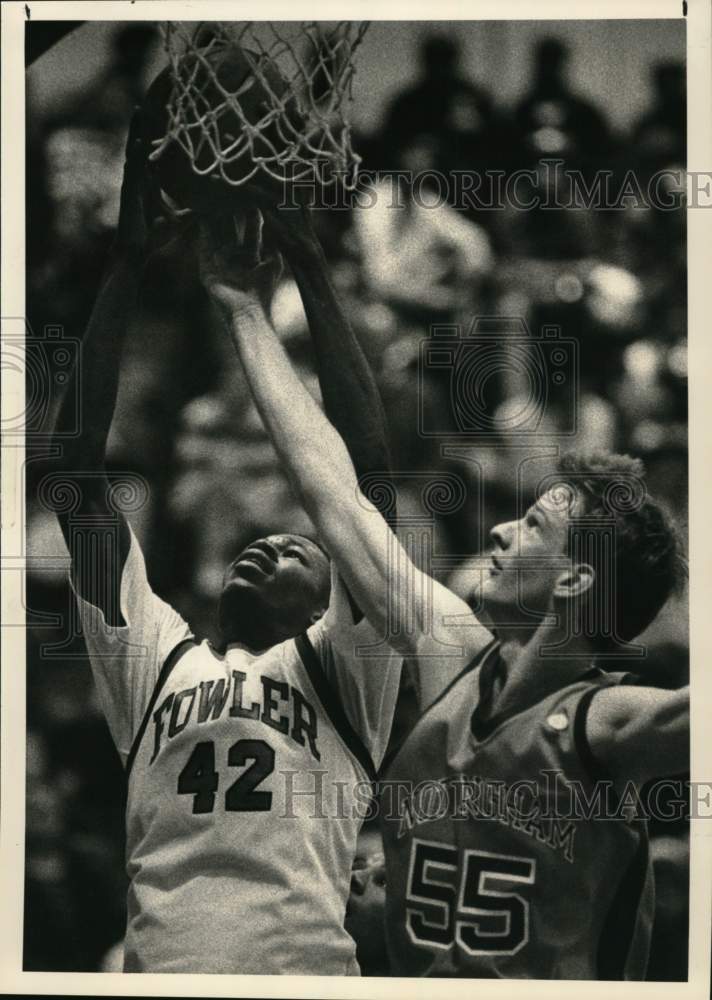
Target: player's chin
(494, 596)
(243, 595)
(240, 594)
(488, 590)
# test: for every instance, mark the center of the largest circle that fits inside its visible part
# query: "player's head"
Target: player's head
(439, 55)
(587, 550)
(366, 907)
(273, 590)
(550, 56)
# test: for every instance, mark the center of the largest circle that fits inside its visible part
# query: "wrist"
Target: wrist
(248, 312)
(307, 249)
(299, 240)
(310, 266)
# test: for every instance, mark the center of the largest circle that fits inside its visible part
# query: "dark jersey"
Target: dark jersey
(500, 861)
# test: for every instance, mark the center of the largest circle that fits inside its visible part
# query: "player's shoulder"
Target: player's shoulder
(565, 713)
(579, 691)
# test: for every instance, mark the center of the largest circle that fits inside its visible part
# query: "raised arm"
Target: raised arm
(639, 733)
(128, 630)
(351, 398)
(383, 580)
(98, 554)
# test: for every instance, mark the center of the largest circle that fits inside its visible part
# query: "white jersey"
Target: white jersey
(248, 775)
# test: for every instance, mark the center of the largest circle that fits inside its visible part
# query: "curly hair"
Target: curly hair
(648, 562)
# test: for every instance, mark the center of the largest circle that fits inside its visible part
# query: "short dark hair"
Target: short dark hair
(648, 554)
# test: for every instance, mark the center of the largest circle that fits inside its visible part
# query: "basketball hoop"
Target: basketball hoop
(257, 97)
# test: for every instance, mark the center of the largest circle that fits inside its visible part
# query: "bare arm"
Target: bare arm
(384, 582)
(639, 733)
(128, 630)
(349, 391)
(351, 398)
(100, 546)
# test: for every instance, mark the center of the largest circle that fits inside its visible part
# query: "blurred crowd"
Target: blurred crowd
(613, 282)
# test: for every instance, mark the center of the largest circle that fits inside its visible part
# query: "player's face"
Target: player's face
(273, 590)
(527, 560)
(365, 910)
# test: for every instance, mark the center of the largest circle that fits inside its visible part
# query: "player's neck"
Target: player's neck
(228, 642)
(539, 662)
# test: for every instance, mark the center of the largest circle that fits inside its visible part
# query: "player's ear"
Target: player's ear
(575, 581)
(316, 615)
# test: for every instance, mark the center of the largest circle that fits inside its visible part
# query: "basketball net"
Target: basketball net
(303, 123)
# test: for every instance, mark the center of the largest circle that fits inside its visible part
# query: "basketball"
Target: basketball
(199, 185)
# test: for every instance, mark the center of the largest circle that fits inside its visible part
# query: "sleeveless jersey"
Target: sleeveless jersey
(242, 819)
(248, 779)
(489, 873)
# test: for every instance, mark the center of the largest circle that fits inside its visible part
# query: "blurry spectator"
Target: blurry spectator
(80, 144)
(651, 396)
(227, 486)
(225, 483)
(552, 121)
(90, 130)
(52, 938)
(455, 114)
(86, 201)
(537, 222)
(425, 259)
(659, 137)
(73, 879)
(651, 237)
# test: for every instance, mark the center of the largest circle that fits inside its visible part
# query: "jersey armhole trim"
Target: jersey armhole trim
(332, 706)
(166, 670)
(593, 768)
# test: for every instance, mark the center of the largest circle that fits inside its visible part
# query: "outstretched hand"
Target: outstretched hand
(231, 265)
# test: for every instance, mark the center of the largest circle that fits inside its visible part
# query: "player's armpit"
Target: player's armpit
(639, 733)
